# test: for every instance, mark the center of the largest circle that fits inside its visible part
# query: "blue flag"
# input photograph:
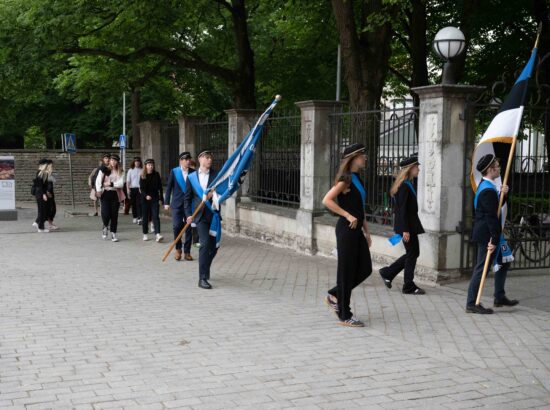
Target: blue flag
(230, 177)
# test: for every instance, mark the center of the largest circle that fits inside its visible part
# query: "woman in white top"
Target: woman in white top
(132, 188)
(109, 184)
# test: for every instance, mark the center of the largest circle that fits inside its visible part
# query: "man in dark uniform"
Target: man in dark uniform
(486, 233)
(207, 218)
(174, 198)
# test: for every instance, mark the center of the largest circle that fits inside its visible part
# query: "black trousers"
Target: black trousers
(178, 218)
(207, 251)
(52, 208)
(150, 209)
(354, 265)
(406, 262)
(42, 207)
(109, 209)
(135, 201)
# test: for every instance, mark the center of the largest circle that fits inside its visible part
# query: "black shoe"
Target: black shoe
(203, 283)
(505, 302)
(479, 309)
(414, 290)
(387, 282)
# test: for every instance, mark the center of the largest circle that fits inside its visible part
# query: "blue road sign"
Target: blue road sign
(122, 141)
(70, 143)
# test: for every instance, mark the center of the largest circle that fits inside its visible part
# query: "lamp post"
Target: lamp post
(449, 43)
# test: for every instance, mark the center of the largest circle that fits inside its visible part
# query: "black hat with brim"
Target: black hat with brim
(485, 162)
(106, 155)
(407, 162)
(353, 149)
(150, 161)
(43, 161)
(185, 155)
(115, 157)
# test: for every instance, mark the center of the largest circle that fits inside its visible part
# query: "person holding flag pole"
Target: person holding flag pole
(221, 186)
(489, 206)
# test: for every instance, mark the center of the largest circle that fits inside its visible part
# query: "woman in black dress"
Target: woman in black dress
(40, 192)
(347, 199)
(407, 224)
(150, 184)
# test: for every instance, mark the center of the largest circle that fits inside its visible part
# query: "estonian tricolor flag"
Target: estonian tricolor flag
(504, 128)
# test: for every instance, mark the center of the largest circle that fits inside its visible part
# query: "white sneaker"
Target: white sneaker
(53, 228)
(159, 237)
(104, 233)
(139, 221)
(113, 237)
(134, 221)
(145, 237)
(35, 225)
(43, 230)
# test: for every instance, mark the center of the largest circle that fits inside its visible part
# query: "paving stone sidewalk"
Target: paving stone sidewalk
(90, 324)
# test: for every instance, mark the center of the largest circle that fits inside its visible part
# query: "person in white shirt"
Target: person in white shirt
(109, 185)
(132, 189)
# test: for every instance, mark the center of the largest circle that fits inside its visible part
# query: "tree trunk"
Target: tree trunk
(136, 137)
(244, 86)
(418, 46)
(365, 56)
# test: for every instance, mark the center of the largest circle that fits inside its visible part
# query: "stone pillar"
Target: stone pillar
(240, 122)
(151, 144)
(188, 137)
(314, 167)
(441, 143)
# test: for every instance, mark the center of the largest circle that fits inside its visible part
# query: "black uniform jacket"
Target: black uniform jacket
(486, 223)
(406, 212)
(192, 201)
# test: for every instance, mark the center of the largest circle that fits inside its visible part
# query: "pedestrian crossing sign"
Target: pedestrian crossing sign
(70, 143)
(122, 141)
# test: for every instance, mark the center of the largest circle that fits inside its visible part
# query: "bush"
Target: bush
(35, 138)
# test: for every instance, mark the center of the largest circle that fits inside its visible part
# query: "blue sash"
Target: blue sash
(360, 188)
(178, 173)
(215, 225)
(409, 183)
(503, 252)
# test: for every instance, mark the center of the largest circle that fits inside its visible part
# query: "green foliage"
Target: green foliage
(35, 138)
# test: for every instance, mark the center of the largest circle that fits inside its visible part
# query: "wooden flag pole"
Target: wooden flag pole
(201, 205)
(501, 201)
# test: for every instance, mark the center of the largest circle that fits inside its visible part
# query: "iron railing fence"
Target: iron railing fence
(389, 134)
(212, 134)
(274, 177)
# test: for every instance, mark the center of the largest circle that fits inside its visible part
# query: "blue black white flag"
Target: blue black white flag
(230, 177)
(504, 128)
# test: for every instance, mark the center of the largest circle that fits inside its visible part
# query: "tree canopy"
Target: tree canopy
(65, 64)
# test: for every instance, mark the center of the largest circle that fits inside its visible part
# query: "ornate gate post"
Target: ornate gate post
(441, 180)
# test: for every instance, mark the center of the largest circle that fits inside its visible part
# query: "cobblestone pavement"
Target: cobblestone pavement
(90, 324)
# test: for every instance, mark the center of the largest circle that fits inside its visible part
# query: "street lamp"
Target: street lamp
(449, 43)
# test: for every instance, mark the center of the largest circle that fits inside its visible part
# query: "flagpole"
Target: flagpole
(504, 182)
(201, 205)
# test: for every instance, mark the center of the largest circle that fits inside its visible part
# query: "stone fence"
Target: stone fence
(83, 162)
(310, 229)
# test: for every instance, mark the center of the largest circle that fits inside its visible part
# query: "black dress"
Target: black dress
(354, 260)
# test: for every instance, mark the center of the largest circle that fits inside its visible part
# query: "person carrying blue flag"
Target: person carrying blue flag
(174, 200)
(352, 233)
(407, 224)
(487, 233)
(208, 219)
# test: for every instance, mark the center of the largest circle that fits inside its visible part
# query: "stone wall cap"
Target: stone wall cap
(320, 103)
(448, 89)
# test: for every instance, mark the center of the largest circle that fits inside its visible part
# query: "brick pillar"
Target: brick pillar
(440, 183)
(240, 123)
(314, 167)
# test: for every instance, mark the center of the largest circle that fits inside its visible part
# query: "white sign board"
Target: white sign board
(7, 183)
